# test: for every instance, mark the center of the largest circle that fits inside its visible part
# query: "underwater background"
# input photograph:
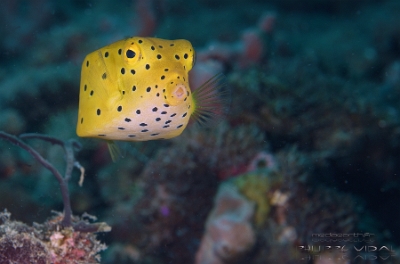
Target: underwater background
(304, 168)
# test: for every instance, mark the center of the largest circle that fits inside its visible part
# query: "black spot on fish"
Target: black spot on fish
(166, 69)
(123, 70)
(147, 66)
(163, 112)
(81, 120)
(185, 114)
(155, 134)
(143, 124)
(119, 51)
(87, 63)
(172, 44)
(166, 105)
(98, 112)
(85, 88)
(101, 135)
(179, 126)
(134, 88)
(155, 109)
(158, 119)
(91, 93)
(167, 122)
(121, 128)
(104, 76)
(123, 92)
(159, 56)
(152, 48)
(127, 120)
(173, 115)
(133, 71)
(185, 56)
(158, 94)
(166, 126)
(148, 89)
(138, 112)
(106, 54)
(160, 46)
(140, 41)
(144, 130)
(119, 108)
(131, 136)
(162, 77)
(177, 56)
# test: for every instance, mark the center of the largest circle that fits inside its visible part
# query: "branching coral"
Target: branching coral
(71, 163)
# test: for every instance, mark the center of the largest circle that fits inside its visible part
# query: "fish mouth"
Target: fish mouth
(179, 92)
(176, 91)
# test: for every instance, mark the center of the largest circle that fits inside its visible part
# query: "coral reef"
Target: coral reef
(258, 187)
(281, 206)
(228, 233)
(62, 239)
(178, 179)
(250, 50)
(46, 243)
(225, 149)
(275, 205)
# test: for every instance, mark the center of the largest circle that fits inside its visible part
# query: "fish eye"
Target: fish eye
(130, 54)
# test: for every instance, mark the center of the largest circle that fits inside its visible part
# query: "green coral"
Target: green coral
(258, 187)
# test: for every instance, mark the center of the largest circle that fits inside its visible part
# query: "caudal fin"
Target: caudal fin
(211, 101)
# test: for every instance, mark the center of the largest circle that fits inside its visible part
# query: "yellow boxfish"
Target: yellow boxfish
(137, 89)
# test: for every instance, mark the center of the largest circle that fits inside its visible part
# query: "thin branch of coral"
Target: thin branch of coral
(66, 222)
(69, 147)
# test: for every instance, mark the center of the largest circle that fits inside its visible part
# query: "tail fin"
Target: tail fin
(211, 100)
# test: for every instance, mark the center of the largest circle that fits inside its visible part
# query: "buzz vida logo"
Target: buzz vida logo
(346, 251)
